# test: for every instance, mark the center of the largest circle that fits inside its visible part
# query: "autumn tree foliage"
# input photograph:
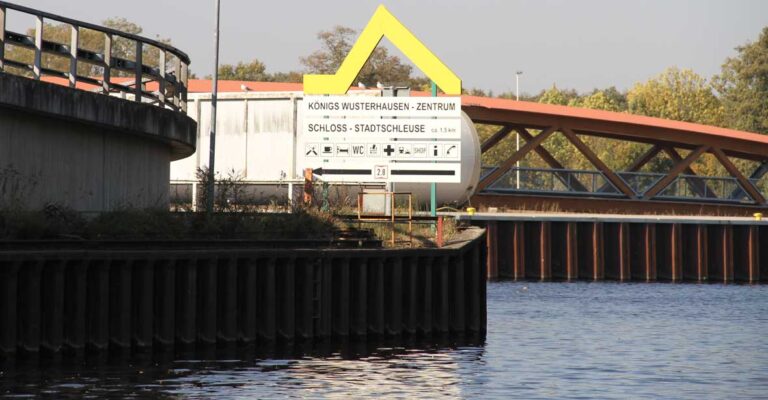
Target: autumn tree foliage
(381, 67)
(743, 86)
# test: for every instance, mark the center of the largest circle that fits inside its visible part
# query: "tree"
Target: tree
(607, 99)
(255, 71)
(743, 86)
(380, 67)
(252, 71)
(557, 96)
(676, 94)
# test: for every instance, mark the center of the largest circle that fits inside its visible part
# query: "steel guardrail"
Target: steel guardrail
(172, 85)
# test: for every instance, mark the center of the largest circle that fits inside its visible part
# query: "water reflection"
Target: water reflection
(544, 340)
(330, 370)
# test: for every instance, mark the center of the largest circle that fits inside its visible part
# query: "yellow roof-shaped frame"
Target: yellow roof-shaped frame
(382, 24)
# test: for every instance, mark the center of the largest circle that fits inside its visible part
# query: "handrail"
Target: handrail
(727, 189)
(171, 86)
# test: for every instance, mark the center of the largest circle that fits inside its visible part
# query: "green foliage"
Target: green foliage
(557, 96)
(255, 71)
(676, 94)
(56, 222)
(743, 86)
(52, 222)
(607, 99)
(380, 67)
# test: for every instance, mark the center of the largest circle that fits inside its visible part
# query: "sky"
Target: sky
(583, 44)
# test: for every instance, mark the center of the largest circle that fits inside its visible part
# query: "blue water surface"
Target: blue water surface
(545, 340)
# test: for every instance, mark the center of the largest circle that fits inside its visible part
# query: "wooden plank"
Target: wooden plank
(508, 163)
(675, 171)
(599, 164)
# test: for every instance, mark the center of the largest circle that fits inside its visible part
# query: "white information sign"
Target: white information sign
(368, 106)
(385, 139)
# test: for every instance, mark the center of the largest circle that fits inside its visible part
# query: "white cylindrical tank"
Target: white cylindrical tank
(257, 138)
(454, 193)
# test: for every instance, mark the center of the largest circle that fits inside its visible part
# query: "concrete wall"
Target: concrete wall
(85, 150)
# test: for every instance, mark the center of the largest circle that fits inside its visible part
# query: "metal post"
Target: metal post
(73, 45)
(214, 95)
(433, 186)
(2, 38)
(139, 71)
(37, 67)
(105, 84)
(517, 134)
(161, 82)
(182, 95)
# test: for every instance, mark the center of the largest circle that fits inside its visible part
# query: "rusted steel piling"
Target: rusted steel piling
(626, 249)
(69, 301)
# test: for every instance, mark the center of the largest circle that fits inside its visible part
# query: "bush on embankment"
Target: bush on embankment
(55, 222)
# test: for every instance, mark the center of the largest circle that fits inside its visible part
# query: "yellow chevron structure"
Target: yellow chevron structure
(382, 24)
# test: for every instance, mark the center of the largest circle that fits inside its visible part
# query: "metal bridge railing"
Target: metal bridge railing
(551, 180)
(171, 91)
(594, 183)
(711, 188)
(640, 182)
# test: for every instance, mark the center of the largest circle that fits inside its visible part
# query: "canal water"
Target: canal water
(545, 340)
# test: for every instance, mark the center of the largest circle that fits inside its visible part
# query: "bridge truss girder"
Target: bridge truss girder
(666, 142)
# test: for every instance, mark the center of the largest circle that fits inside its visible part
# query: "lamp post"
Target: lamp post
(517, 134)
(214, 94)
